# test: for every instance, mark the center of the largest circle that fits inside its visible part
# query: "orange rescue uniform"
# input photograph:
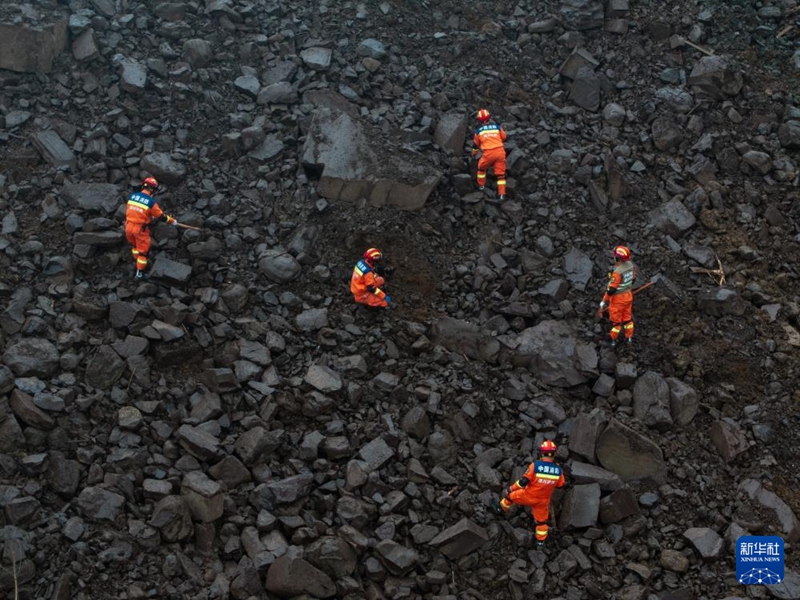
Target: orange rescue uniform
(365, 285)
(142, 208)
(619, 297)
(534, 489)
(489, 138)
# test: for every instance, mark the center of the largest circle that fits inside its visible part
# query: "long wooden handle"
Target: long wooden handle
(184, 226)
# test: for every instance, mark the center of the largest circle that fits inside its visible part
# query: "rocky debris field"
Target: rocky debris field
(234, 427)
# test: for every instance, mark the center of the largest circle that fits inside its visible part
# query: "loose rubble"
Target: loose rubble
(233, 426)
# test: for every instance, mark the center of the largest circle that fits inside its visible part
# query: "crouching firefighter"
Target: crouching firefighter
(535, 488)
(366, 283)
(141, 210)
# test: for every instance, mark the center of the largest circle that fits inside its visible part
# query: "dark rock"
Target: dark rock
(666, 133)
(170, 271)
(32, 357)
(577, 268)
(164, 168)
(450, 132)
(580, 507)
(98, 197)
(333, 556)
(203, 496)
(715, 77)
(289, 576)
(651, 401)
(27, 412)
(462, 538)
(100, 504)
(585, 473)
(281, 92)
(172, 518)
(280, 267)
(728, 438)
(683, 402)
(673, 218)
(630, 455)
(376, 454)
(706, 541)
(767, 499)
(292, 488)
(323, 379)
(552, 351)
(582, 14)
(29, 49)
(340, 151)
(104, 369)
(464, 338)
(720, 301)
(398, 559)
(618, 505)
(585, 91)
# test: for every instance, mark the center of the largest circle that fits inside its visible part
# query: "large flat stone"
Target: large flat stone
(99, 197)
(27, 49)
(630, 455)
(767, 499)
(460, 539)
(170, 270)
(353, 160)
(580, 507)
(553, 351)
(54, 150)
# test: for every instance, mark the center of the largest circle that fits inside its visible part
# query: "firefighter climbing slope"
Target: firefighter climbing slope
(366, 282)
(535, 488)
(489, 140)
(618, 297)
(142, 209)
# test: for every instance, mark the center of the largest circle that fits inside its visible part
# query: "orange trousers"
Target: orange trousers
(540, 509)
(620, 311)
(371, 300)
(495, 158)
(139, 238)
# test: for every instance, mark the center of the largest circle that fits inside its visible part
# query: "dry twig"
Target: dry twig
(719, 272)
(14, 570)
(784, 31)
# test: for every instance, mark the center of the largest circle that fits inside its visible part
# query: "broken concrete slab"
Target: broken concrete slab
(339, 151)
(28, 49)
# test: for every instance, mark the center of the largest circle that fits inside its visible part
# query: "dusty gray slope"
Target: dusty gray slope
(235, 428)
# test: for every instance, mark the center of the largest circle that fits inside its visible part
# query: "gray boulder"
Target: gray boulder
(715, 77)
(290, 576)
(673, 218)
(279, 266)
(585, 91)
(32, 357)
(164, 168)
(342, 151)
(464, 338)
(460, 539)
(580, 507)
(552, 351)
(651, 401)
(728, 438)
(721, 301)
(582, 14)
(707, 542)
(100, 504)
(98, 197)
(683, 402)
(630, 455)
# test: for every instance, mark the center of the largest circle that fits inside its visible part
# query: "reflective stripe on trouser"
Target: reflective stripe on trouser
(481, 178)
(541, 531)
(614, 333)
(501, 187)
(628, 327)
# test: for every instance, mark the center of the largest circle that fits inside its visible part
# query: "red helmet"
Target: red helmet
(483, 115)
(548, 447)
(622, 253)
(150, 184)
(373, 254)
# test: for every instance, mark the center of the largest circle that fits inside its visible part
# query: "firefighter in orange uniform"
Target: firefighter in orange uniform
(366, 282)
(619, 296)
(535, 488)
(141, 210)
(489, 139)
